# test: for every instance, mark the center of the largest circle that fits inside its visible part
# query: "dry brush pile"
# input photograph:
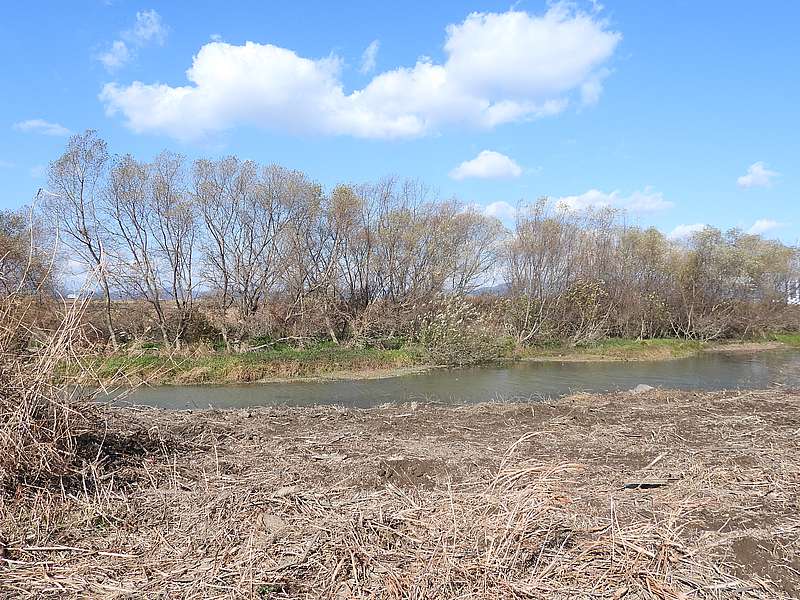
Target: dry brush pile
(43, 419)
(494, 501)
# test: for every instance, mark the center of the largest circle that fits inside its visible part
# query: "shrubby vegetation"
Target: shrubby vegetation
(586, 276)
(237, 255)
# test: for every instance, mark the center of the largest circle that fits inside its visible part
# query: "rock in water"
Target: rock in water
(641, 389)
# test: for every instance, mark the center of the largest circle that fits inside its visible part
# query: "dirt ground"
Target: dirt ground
(670, 495)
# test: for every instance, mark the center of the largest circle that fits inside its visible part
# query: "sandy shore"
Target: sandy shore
(657, 495)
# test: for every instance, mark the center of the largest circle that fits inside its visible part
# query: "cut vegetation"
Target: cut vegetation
(657, 495)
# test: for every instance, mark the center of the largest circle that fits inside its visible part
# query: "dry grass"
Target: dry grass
(489, 501)
(43, 422)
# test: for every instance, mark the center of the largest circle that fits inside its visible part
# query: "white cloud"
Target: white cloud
(758, 175)
(147, 29)
(647, 200)
(369, 57)
(4, 164)
(116, 56)
(501, 210)
(487, 165)
(593, 199)
(41, 126)
(763, 225)
(682, 232)
(37, 171)
(593, 87)
(499, 68)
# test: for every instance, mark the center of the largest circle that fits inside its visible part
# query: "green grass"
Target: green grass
(286, 363)
(676, 347)
(790, 339)
(282, 363)
(619, 349)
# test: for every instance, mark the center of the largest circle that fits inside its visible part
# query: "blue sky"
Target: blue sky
(682, 112)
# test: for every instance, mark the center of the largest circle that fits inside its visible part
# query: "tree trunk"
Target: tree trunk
(109, 324)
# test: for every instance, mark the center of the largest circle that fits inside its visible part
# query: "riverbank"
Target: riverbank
(283, 365)
(656, 495)
(327, 362)
(653, 349)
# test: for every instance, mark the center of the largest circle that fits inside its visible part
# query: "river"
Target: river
(514, 381)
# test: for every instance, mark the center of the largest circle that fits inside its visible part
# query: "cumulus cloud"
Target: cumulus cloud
(758, 175)
(148, 28)
(764, 225)
(369, 57)
(41, 126)
(682, 232)
(593, 199)
(487, 165)
(499, 68)
(647, 200)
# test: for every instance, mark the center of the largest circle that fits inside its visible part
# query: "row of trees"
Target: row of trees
(255, 241)
(243, 251)
(582, 276)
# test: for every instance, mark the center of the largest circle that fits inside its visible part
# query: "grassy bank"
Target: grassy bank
(616, 349)
(659, 495)
(280, 364)
(654, 349)
(328, 361)
(788, 339)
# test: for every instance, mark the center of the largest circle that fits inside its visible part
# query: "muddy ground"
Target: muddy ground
(653, 495)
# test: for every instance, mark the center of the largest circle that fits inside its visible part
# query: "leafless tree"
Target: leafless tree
(75, 180)
(271, 253)
(174, 229)
(127, 204)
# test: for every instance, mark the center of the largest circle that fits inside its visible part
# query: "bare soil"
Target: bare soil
(670, 495)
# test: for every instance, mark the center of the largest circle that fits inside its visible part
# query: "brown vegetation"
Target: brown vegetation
(42, 423)
(243, 255)
(660, 495)
(24, 267)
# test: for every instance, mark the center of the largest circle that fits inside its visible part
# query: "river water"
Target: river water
(514, 381)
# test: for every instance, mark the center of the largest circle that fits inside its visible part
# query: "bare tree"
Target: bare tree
(244, 213)
(71, 205)
(275, 255)
(217, 193)
(127, 203)
(24, 260)
(174, 229)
